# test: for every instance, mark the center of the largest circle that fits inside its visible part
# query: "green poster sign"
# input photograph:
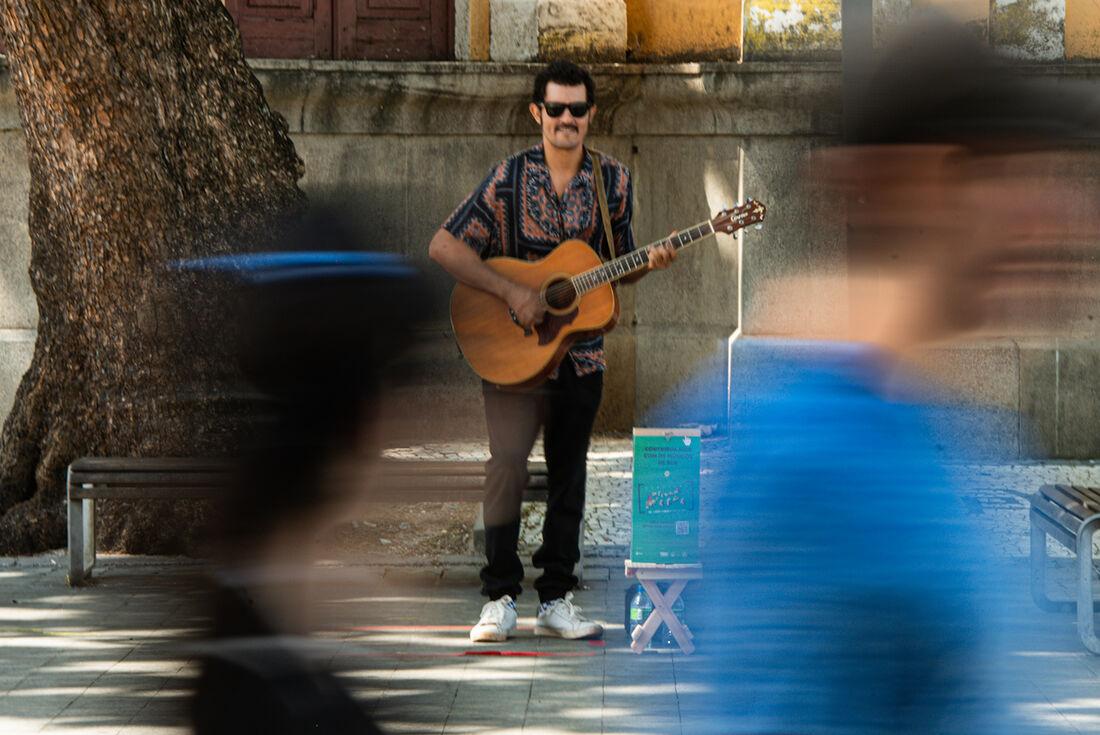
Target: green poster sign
(666, 496)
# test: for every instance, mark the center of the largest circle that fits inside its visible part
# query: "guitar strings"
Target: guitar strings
(562, 291)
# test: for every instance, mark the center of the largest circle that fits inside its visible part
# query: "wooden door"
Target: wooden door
(284, 29)
(394, 30)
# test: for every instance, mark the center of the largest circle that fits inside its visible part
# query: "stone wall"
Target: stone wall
(404, 143)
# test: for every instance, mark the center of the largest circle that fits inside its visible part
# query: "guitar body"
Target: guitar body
(498, 349)
(502, 352)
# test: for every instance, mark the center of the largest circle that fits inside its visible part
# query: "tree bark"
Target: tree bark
(149, 140)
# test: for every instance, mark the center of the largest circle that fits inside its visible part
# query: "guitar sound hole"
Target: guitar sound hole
(560, 295)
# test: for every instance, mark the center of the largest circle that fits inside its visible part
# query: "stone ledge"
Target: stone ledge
(453, 98)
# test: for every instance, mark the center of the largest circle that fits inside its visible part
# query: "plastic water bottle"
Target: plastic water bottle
(664, 638)
(638, 608)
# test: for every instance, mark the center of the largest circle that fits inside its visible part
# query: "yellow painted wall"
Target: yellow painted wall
(479, 30)
(1082, 29)
(694, 30)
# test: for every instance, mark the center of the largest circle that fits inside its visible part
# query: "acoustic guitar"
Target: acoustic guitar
(579, 296)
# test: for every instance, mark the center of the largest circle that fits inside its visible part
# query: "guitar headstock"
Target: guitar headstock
(732, 219)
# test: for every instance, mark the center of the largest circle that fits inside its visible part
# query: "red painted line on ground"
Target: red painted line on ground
(597, 643)
(464, 653)
(524, 653)
(392, 628)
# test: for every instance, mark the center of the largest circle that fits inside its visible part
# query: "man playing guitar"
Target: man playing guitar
(524, 208)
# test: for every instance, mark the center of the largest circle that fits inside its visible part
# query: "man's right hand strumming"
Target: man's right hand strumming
(529, 309)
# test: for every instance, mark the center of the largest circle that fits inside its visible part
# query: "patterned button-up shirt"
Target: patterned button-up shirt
(515, 212)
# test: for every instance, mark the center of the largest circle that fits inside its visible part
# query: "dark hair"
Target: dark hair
(567, 74)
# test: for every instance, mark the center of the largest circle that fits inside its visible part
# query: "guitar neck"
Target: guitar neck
(624, 265)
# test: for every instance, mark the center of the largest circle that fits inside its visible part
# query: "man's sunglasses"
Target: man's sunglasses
(555, 109)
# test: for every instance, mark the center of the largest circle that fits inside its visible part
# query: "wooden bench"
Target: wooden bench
(1069, 514)
(175, 478)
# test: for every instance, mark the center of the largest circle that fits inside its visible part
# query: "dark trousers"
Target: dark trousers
(565, 409)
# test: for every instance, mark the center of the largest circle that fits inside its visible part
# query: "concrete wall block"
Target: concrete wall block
(1034, 30)
(443, 170)
(366, 175)
(430, 100)
(700, 288)
(1039, 398)
(514, 30)
(1078, 400)
(724, 100)
(974, 14)
(9, 106)
(582, 30)
(668, 364)
(669, 103)
(801, 236)
(888, 16)
(286, 89)
(980, 383)
(617, 408)
(18, 308)
(462, 30)
(438, 395)
(16, 351)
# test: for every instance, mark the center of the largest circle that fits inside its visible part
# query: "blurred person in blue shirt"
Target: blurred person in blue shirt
(846, 590)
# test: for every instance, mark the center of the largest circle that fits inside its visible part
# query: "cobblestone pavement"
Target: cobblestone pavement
(607, 514)
(995, 493)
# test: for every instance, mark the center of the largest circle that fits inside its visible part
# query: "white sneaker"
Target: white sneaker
(563, 619)
(498, 620)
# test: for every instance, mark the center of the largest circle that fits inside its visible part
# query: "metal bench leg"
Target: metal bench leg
(1039, 574)
(81, 540)
(1086, 627)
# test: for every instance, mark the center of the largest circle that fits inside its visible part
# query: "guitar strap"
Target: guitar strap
(601, 196)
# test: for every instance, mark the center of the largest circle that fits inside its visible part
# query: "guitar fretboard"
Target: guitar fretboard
(635, 260)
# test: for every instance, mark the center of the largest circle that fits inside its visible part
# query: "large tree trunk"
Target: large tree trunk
(149, 140)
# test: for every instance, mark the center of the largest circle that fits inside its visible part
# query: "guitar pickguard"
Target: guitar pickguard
(552, 325)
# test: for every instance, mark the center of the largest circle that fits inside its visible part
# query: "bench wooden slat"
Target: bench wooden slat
(1064, 497)
(166, 492)
(1059, 506)
(1055, 527)
(1069, 519)
(1091, 495)
(390, 480)
(153, 464)
(149, 479)
(1069, 514)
